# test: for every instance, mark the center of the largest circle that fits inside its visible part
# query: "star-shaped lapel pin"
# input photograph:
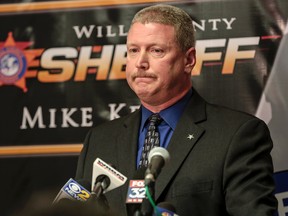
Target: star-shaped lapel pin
(190, 136)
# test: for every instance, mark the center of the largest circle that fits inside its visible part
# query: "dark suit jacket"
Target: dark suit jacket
(225, 169)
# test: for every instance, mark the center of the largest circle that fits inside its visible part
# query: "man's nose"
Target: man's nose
(142, 61)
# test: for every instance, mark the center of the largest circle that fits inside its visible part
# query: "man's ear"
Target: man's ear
(190, 59)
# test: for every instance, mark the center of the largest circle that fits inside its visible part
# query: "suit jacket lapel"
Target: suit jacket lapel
(127, 147)
(185, 136)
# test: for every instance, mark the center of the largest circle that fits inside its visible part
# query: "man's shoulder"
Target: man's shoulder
(229, 115)
(218, 112)
(228, 110)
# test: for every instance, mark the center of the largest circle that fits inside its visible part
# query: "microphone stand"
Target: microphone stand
(98, 199)
(146, 206)
(97, 190)
(157, 158)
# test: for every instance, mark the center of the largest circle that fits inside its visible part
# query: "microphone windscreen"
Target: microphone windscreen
(159, 151)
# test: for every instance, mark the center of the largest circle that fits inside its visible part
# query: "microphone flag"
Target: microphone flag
(72, 190)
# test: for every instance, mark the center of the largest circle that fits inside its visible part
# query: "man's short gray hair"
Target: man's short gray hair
(169, 15)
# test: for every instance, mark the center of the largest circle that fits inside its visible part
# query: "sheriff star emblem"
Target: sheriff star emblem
(190, 136)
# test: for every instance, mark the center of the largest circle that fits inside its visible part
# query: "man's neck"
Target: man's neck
(156, 108)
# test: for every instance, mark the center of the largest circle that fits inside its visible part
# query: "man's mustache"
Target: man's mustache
(141, 74)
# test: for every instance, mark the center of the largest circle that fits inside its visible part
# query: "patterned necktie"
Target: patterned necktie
(151, 138)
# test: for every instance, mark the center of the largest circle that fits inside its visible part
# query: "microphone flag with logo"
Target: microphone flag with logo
(72, 190)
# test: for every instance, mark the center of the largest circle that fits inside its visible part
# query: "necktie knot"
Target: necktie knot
(155, 119)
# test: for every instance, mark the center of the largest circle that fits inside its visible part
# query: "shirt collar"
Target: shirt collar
(170, 115)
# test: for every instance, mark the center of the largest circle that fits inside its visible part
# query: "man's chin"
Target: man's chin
(143, 94)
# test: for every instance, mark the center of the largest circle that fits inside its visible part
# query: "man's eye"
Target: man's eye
(133, 50)
(157, 52)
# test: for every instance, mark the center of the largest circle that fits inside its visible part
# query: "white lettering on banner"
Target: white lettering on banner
(116, 108)
(214, 24)
(52, 118)
(38, 117)
(99, 32)
(31, 120)
(86, 117)
(282, 208)
(90, 31)
(229, 23)
(111, 31)
(84, 31)
(134, 108)
(37, 121)
(66, 117)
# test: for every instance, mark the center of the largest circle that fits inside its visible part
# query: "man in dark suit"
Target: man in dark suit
(220, 159)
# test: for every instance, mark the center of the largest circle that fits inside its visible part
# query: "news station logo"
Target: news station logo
(136, 191)
(76, 191)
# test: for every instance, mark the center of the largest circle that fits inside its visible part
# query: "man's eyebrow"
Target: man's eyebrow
(149, 45)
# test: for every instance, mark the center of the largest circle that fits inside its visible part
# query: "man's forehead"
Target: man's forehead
(159, 24)
(151, 29)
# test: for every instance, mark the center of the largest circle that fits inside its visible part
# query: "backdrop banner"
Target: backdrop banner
(62, 72)
(272, 109)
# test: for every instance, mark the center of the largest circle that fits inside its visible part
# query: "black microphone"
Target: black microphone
(157, 158)
(73, 190)
(97, 198)
(101, 184)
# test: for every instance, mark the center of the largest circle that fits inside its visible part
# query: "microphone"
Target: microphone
(105, 178)
(165, 208)
(157, 158)
(72, 190)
